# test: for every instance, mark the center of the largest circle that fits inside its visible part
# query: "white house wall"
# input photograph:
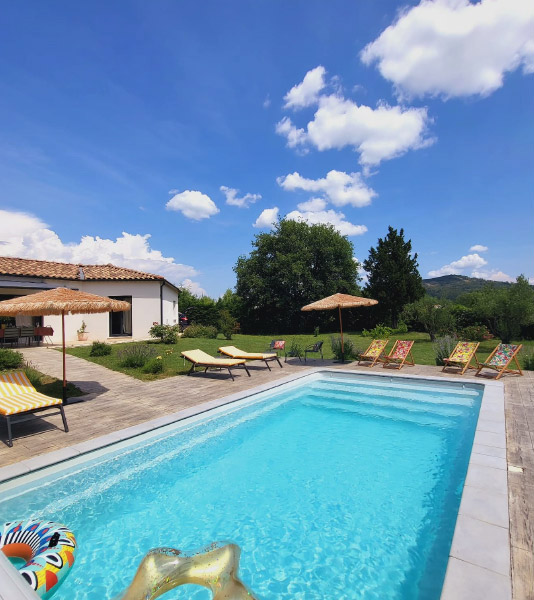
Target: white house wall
(146, 308)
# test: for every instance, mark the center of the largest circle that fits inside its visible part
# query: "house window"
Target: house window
(120, 323)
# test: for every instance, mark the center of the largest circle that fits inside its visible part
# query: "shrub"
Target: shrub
(475, 333)
(136, 355)
(528, 361)
(154, 365)
(168, 334)
(10, 359)
(350, 352)
(32, 374)
(200, 331)
(402, 328)
(316, 331)
(227, 324)
(380, 331)
(100, 349)
(443, 346)
(295, 349)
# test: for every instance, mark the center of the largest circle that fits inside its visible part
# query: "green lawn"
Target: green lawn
(173, 363)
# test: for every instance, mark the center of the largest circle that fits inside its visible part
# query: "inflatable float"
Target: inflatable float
(47, 549)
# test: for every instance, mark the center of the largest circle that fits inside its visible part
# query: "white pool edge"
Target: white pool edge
(479, 559)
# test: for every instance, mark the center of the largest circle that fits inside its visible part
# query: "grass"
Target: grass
(173, 363)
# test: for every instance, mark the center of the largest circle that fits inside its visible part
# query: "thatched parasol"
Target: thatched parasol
(340, 301)
(60, 301)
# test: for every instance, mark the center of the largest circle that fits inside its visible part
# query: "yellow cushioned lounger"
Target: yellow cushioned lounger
(237, 353)
(199, 358)
(18, 396)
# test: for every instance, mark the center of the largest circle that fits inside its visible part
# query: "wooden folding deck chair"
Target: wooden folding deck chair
(500, 358)
(374, 352)
(399, 354)
(266, 357)
(199, 358)
(461, 357)
(19, 397)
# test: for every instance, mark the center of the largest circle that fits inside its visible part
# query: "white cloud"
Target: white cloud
(267, 218)
(233, 199)
(312, 205)
(267, 101)
(455, 47)
(478, 248)
(29, 237)
(338, 187)
(337, 219)
(192, 204)
(493, 275)
(307, 91)
(376, 134)
(470, 261)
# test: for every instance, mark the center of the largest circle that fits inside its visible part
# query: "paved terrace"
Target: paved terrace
(114, 401)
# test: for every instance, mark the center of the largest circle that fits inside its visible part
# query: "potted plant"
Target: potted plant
(82, 332)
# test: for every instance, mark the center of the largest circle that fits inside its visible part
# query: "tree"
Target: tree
(394, 279)
(505, 310)
(291, 266)
(432, 315)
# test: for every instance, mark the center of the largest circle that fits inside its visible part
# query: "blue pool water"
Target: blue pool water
(338, 486)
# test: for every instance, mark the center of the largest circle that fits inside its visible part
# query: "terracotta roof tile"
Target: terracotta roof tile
(24, 267)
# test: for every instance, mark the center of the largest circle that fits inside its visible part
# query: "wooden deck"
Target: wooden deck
(115, 401)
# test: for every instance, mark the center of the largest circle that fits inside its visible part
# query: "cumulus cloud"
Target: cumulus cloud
(478, 248)
(454, 48)
(338, 187)
(307, 91)
(312, 205)
(29, 237)
(337, 219)
(470, 261)
(267, 218)
(234, 200)
(192, 204)
(493, 275)
(376, 134)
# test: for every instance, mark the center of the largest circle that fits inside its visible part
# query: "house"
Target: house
(153, 299)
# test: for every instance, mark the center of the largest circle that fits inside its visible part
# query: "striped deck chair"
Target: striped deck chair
(500, 358)
(461, 357)
(399, 354)
(374, 352)
(19, 397)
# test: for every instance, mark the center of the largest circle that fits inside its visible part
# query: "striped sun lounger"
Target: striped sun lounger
(19, 397)
(199, 358)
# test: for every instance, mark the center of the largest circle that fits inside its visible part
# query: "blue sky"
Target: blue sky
(121, 122)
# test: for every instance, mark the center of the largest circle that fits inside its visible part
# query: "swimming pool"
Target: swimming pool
(336, 485)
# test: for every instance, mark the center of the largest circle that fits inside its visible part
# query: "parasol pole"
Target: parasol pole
(341, 329)
(63, 339)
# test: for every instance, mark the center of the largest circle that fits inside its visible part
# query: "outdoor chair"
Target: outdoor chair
(199, 358)
(500, 358)
(19, 397)
(374, 352)
(27, 332)
(266, 357)
(399, 354)
(276, 345)
(11, 335)
(316, 348)
(461, 357)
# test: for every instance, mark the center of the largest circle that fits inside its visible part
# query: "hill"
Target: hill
(452, 286)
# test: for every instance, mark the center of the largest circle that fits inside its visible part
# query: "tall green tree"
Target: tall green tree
(394, 279)
(291, 266)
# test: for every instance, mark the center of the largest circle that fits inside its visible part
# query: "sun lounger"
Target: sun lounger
(234, 352)
(500, 358)
(399, 354)
(19, 397)
(374, 352)
(461, 357)
(199, 358)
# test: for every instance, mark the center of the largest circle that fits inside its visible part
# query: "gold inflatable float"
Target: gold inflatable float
(214, 568)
